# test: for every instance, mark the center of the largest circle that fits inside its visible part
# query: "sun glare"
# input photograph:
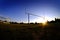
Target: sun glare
(44, 22)
(40, 20)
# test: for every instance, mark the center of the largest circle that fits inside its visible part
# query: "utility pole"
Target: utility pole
(28, 18)
(33, 15)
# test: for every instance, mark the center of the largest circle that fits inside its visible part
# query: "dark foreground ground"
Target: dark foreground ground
(30, 31)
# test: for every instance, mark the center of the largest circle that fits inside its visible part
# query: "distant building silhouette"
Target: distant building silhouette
(57, 20)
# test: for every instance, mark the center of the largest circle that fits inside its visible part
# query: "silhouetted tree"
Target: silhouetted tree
(21, 23)
(13, 23)
(31, 23)
(36, 23)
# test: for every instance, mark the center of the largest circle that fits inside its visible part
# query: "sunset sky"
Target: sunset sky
(15, 9)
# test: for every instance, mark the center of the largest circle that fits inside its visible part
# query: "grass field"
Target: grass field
(30, 31)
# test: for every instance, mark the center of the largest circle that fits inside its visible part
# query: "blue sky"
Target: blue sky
(15, 9)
